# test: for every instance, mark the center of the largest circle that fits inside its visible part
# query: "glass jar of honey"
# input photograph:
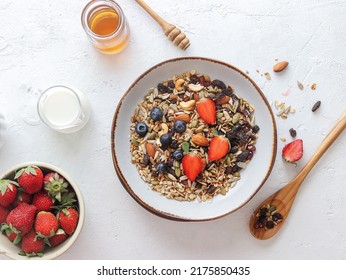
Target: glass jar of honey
(105, 24)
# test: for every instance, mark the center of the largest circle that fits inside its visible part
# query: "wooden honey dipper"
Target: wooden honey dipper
(173, 33)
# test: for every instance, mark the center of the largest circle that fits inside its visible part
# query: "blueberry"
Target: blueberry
(141, 129)
(179, 126)
(165, 140)
(156, 114)
(178, 155)
(161, 167)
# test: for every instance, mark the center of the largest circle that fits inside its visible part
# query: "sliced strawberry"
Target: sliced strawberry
(192, 166)
(293, 151)
(206, 110)
(218, 148)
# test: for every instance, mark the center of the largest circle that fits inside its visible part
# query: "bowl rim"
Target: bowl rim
(71, 240)
(122, 178)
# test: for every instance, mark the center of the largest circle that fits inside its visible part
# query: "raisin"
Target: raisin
(211, 189)
(234, 149)
(146, 160)
(243, 156)
(227, 92)
(263, 211)
(270, 224)
(203, 82)
(219, 84)
(277, 216)
(219, 96)
(228, 170)
(162, 88)
(194, 79)
(255, 128)
(171, 84)
(235, 168)
(316, 106)
(293, 132)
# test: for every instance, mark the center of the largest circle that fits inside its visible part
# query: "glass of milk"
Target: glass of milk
(64, 109)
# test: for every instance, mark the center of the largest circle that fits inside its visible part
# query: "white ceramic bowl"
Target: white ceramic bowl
(10, 250)
(252, 177)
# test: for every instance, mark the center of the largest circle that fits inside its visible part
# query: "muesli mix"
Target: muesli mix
(191, 136)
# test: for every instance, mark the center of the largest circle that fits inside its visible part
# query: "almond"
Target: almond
(188, 105)
(223, 100)
(183, 117)
(150, 149)
(280, 66)
(200, 140)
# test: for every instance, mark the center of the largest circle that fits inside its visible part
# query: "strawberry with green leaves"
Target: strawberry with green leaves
(22, 197)
(68, 219)
(192, 166)
(30, 179)
(8, 192)
(42, 201)
(46, 224)
(3, 214)
(218, 148)
(32, 245)
(19, 222)
(59, 237)
(55, 185)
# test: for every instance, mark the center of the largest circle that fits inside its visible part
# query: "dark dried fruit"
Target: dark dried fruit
(146, 159)
(219, 84)
(219, 96)
(171, 84)
(235, 168)
(228, 170)
(198, 185)
(293, 132)
(203, 81)
(162, 88)
(234, 149)
(194, 79)
(258, 225)
(316, 106)
(243, 156)
(227, 92)
(277, 216)
(263, 211)
(270, 224)
(211, 189)
(255, 128)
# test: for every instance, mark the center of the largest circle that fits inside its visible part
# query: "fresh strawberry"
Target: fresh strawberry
(22, 218)
(218, 148)
(8, 192)
(206, 110)
(22, 197)
(32, 246)
(12, 233)
(55, 185)
(293, 151)
(68, 219)
(46, 224)
(3, 214)
(42, 201)
(192, 166)
(59, 237)
(30, 179)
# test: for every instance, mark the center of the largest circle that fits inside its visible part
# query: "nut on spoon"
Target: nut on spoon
(173, 33)
(284, 198)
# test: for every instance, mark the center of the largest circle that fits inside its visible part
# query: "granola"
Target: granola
(168, 126)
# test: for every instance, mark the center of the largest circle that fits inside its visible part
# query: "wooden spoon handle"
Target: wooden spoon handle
(153, 14)
(327, 142)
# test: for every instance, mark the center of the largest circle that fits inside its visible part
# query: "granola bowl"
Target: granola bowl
(193, 139)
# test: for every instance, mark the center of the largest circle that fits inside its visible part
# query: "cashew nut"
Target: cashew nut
(178, 84)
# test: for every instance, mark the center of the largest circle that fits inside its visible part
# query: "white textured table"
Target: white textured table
(42, 43)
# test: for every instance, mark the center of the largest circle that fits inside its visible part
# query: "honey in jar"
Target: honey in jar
(106, 26)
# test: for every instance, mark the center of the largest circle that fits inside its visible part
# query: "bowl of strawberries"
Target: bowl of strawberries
(41, 211)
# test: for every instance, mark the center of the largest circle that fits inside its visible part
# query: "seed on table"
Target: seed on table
(316, 106)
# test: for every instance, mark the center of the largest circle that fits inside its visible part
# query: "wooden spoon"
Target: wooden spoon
(283, 198)
(173, 33)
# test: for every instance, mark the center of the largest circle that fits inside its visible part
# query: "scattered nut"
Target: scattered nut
(195, 88)
(178, 84)
(183, 117)
(188, 105)
(280, 66)
(200, 140)
(150, 149)
(223, 100)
